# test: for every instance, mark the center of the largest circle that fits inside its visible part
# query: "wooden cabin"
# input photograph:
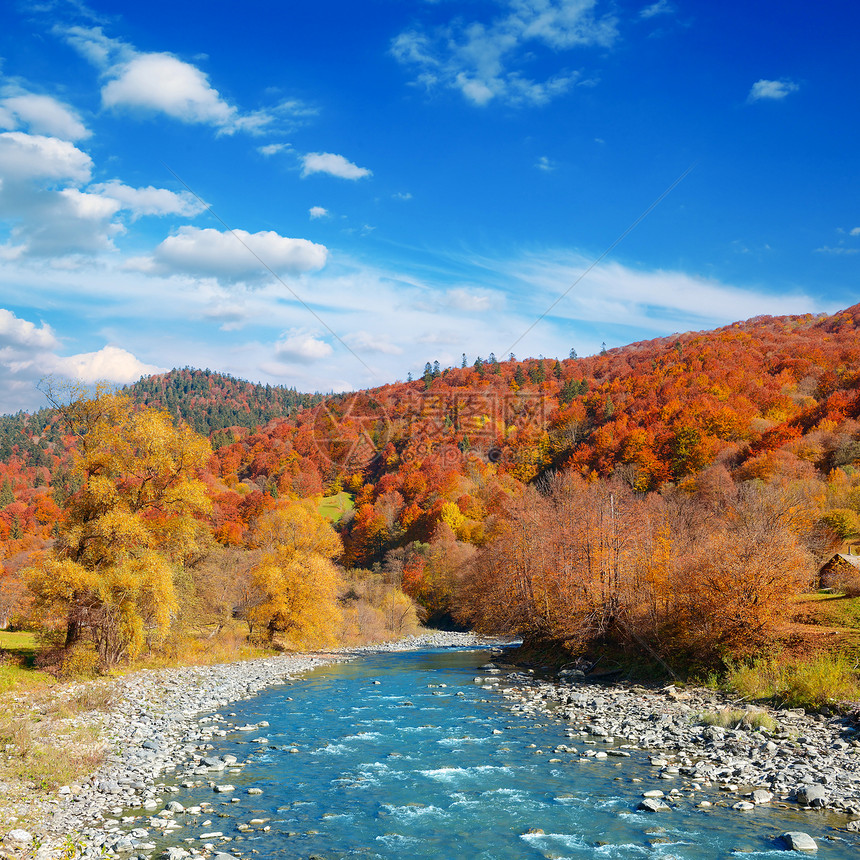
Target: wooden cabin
(842, 573)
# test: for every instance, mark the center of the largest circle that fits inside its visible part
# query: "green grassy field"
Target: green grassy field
(17, 656)
(334, 507)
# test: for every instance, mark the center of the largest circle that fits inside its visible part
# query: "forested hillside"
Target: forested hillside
(671, 495)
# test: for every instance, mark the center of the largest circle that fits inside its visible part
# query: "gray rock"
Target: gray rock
(760, 796)
(652, 804)
(812, 795)
(797, 840)
(18, 837)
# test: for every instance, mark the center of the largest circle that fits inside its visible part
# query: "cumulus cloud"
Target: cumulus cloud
(149, 200)
(318, 212)
(19, 334)
(334, 165)
(772, 90)
(34, 156)
(483, 59)
(302, 347)
(111, 363)
(51, 209)
(29, 353)
(160, 83)
(231, 255)
(42, 114)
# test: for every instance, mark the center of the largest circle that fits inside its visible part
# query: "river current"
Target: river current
(402, 755)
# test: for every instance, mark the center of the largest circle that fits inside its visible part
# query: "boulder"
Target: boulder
(652, 804)
(796, 840)
(812, 795)
(18, 837)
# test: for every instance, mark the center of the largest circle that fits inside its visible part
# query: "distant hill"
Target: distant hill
(212, 402)
(207, 401)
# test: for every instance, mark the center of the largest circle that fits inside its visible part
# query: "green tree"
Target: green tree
(6, 494)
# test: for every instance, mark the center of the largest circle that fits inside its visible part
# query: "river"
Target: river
(402, 755)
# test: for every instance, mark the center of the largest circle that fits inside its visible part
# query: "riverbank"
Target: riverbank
(150, 732)
(779, 756)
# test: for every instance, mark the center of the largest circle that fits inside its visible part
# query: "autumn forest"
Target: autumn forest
(668, 500)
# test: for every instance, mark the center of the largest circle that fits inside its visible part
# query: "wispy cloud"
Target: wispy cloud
(765, 90)
(661, 7)
(544, 163)
(318, 212)
(485, 60)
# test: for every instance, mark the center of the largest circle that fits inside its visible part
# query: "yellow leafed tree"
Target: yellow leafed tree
(296, 581)
(110, 576)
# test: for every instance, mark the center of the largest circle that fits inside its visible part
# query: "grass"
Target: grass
(17, 657)
(334, 507)
(822, 680)
(728, 718)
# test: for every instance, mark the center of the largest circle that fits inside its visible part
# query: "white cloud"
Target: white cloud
(837, 250)
(17, 334)
(365, 341)
(42, 115)
(46, 222)
(52, 212)
(318, 212)
(655, 300)
(472, 301)
(231, 256)
(274, 148)
(661, 7)
(31, 156)
(334, 165)
(481, 59)
(28, 354)
(402, 195)
(111, 363)
(160, 83)
(543, 163)
(150, 200)
(773, 90)
(854, 231)
(302, 347)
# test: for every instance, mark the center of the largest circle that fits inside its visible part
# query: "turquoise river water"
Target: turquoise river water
(407, 768)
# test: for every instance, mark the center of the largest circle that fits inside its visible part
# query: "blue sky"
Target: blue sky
(329, 195)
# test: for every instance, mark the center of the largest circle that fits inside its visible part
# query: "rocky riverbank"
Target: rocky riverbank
(774, 756)
(154, 739)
